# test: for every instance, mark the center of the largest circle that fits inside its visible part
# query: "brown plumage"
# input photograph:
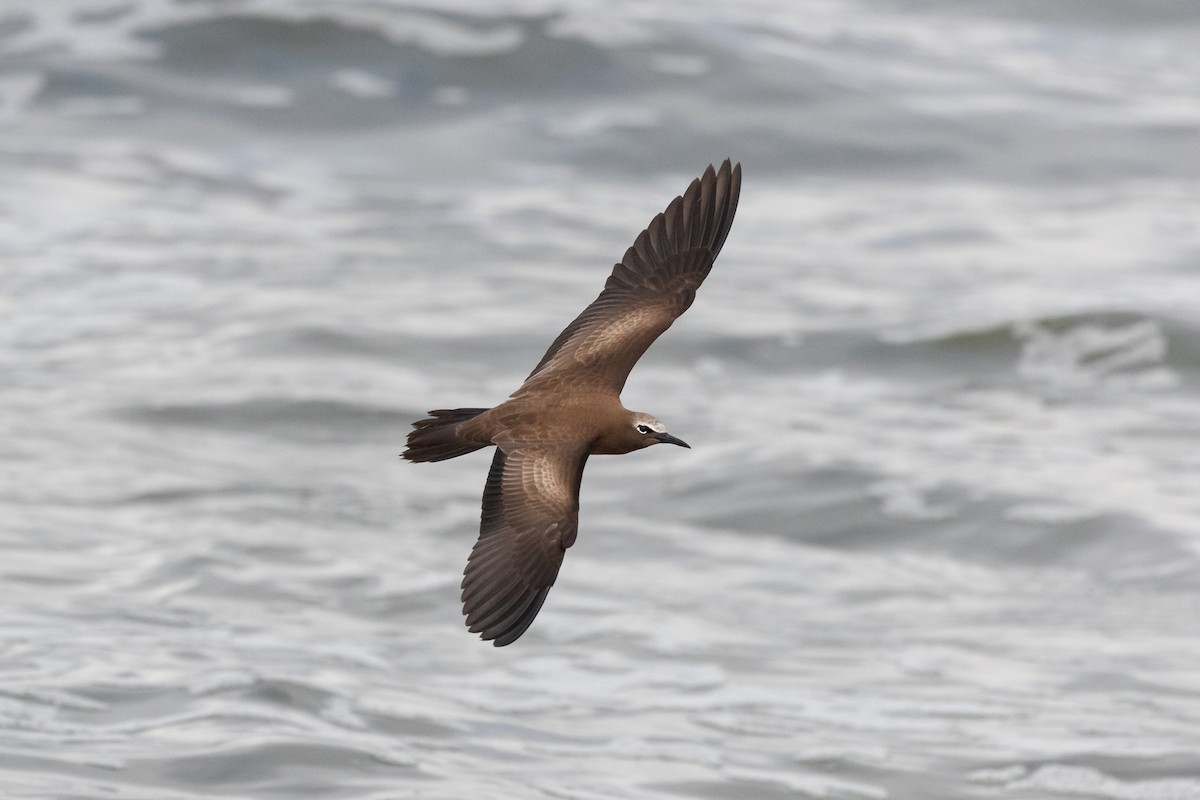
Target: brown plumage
(569, 408)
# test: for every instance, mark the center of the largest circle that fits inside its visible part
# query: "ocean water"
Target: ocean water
(939, 534)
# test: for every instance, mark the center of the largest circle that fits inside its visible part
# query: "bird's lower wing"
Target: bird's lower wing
(530, 517)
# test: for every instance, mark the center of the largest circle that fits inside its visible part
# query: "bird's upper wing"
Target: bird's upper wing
(653, 284)
(530, 517)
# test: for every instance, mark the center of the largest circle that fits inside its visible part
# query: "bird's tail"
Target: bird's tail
(436, 438)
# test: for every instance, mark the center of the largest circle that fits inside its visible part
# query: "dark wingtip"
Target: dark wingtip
(509, 618)
(521, 624)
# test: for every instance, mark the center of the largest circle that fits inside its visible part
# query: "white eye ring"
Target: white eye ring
(643, 429)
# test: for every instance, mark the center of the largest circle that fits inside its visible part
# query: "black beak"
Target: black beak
(667, 438)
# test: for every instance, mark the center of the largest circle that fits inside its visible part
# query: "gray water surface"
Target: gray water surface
(939, 534)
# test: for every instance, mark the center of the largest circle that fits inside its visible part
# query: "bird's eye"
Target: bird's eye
(643, 429)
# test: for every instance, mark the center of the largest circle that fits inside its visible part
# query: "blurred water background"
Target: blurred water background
(939, 536)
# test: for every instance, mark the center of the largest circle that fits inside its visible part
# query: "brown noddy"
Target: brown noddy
(570, 407)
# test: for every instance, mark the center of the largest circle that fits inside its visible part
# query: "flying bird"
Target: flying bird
(570, 408)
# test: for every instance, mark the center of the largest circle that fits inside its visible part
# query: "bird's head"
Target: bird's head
(645, 430)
